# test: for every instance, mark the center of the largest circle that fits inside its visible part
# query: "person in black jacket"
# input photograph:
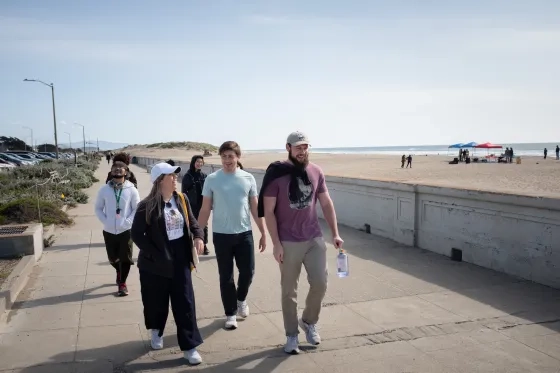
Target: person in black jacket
(192, 185)
(123, 157)
(165, 234)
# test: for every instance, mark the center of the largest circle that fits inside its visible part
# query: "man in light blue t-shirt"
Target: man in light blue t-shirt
(231, 194)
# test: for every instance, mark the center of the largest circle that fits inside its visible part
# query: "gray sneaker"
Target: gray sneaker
(231, 322)
(242, 309)
(311, 333)
(292, 345)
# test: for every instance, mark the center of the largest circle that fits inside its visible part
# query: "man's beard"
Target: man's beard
(297, 163)
(118, 177)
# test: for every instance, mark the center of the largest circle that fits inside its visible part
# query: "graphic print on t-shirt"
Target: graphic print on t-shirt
(173, 222)
(303, 196)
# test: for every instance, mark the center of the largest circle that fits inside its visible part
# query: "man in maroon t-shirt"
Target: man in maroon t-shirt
(289, 193)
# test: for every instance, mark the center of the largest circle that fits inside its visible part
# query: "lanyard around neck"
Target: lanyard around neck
(118, 196)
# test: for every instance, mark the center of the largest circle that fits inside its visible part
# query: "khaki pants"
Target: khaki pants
(313, 255)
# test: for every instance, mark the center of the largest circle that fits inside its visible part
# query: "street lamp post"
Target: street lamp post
(69, 138)
(51, 85)
(31, 130)
(83, 134)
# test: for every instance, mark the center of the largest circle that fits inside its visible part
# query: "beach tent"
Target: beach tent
(488, 145)
(471, 144)
(454, 146)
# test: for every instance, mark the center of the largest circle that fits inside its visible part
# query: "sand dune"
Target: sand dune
(534, 176)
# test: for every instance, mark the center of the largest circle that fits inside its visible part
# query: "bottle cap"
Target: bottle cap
(340, 250)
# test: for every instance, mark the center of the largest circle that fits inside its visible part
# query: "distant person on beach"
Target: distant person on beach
(170, 239)
(289, 195)
(510, 155)
(192, 185)
(108, 157)
(115, 207)
(403, 160)
(125, 158)
(409, 161)
(231, 194)
(506, 154)
(545, 152)
(557, 152)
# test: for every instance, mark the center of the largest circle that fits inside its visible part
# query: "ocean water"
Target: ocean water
(521, 149)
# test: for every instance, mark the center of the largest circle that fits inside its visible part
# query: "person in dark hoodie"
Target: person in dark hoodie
(125, 158)
(191, 185)
(288, 198)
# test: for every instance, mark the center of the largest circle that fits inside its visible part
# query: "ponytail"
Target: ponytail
(239, 165)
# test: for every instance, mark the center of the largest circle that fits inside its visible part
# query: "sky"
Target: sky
(348, 73)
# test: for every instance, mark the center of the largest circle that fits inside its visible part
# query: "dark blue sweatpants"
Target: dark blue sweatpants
(157, 290)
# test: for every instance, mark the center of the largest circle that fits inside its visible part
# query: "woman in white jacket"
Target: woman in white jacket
(115, 207)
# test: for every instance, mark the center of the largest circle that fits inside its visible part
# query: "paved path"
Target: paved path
(401, 310)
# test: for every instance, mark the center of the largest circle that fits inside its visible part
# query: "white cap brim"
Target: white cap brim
(163, 169)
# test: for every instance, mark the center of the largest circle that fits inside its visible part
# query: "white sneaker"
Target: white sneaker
(311, 333)
(193, 357)
(242, 309)
(157, 341)
(292, 345)
(231, 322)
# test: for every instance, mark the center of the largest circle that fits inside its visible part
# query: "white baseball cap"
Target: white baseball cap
(163, 169)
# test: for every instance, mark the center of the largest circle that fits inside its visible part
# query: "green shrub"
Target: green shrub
(25, 210)
(21, 187)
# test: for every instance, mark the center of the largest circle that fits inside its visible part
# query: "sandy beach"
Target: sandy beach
(534, 176)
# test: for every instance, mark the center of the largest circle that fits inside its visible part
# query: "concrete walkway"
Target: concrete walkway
(401, 310)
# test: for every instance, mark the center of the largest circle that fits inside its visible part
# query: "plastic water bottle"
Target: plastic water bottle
(342, 264)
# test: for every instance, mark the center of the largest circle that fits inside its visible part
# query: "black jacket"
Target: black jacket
(188, 187)
(274, 171)
(129, 176)
(155, 255)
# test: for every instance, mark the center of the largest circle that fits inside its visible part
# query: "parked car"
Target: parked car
(12, 158)
(48, 155)
(5, 165)
(27, 156)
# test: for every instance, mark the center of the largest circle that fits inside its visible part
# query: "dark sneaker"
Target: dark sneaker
(123, 290)
(206, 251)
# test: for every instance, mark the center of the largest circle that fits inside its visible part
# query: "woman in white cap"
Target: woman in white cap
(169, 239)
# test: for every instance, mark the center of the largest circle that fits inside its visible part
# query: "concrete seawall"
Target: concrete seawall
(514, 234)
